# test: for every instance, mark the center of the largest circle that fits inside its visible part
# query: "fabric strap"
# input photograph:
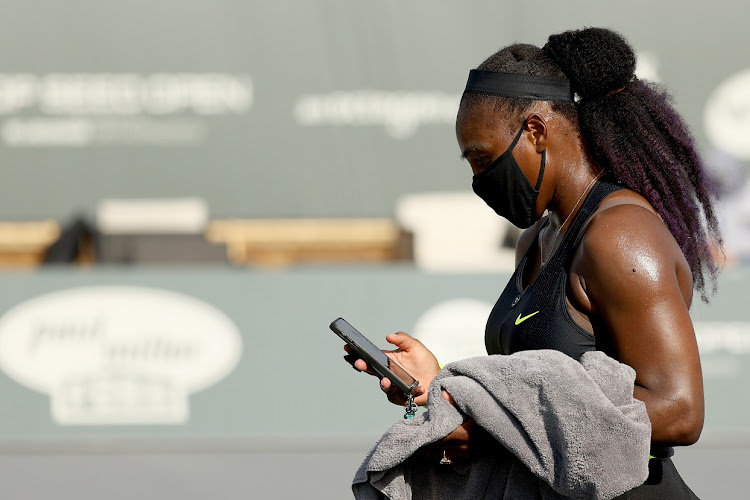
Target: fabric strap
(519, 86)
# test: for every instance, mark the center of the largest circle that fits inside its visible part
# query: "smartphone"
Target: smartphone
(374, 357)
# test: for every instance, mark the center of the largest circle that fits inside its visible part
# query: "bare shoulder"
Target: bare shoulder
(628, 252)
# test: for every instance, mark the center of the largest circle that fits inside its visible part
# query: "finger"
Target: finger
(436, 451)
(446, 396)
(351, 360)
(360, 365)
(385, 384)
(394, 394)
(446, 445)
(403, 341)
(457, 454)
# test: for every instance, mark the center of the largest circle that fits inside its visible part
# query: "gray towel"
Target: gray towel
(566, 429)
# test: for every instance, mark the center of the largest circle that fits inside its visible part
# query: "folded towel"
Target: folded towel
(565, 429)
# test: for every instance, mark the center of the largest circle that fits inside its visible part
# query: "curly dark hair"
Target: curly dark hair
(629, 128)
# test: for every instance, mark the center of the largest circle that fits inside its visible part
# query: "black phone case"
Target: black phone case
(373, 356)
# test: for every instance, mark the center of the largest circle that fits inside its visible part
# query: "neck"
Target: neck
(569, 194)
(561, 213)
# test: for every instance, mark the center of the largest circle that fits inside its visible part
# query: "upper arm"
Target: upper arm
(639, 287)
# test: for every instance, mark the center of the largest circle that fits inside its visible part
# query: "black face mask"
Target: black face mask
(506, 190)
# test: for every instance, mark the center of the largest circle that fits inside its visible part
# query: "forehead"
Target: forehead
(481, 124)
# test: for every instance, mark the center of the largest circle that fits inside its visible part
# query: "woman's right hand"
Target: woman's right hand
(413, 357)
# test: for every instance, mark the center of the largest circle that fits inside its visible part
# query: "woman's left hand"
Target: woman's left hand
(459, 444)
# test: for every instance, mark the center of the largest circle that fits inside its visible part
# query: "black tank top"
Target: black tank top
(538, 317)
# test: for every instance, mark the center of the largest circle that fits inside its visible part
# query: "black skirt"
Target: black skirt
(663, 483)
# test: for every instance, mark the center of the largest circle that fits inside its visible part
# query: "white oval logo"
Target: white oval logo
(454, 329)
(117, 354)
(727, 115)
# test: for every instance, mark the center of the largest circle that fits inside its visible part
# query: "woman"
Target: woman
(568, 129)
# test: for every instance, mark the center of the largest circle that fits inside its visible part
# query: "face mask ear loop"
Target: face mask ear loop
(541, 171)
(518, 136)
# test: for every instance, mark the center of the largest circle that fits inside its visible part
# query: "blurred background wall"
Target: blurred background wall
(192, 191)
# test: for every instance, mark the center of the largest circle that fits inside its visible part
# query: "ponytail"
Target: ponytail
(632, 130)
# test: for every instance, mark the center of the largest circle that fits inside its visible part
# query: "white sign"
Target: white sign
(727, 115)
(647, 66)
(118, 355)
(125, 94)
(400, 112)
(723, 338)
(454, 329)
(80, 110)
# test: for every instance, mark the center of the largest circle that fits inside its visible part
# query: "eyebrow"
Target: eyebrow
(473, 148)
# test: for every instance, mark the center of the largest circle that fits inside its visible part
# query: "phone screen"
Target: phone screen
(368, 351)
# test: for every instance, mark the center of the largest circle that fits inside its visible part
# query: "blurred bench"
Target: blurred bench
(23, 244)
(282, 242)
(455, 231)
(258, 242)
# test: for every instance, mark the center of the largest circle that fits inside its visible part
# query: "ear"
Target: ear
(537, 125)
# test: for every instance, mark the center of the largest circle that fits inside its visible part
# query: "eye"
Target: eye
(483, 161)
(480, 163)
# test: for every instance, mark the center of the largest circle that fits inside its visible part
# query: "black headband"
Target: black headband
(539, 88)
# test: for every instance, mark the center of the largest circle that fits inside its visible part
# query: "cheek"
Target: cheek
(531, 165)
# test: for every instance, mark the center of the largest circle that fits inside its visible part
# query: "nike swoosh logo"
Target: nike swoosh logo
(520, 320)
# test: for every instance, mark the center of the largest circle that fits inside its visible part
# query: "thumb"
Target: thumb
(403, 341)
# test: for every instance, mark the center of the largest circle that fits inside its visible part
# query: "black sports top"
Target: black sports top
(538, 317)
